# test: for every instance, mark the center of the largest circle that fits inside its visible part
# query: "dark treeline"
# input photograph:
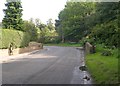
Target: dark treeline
(89, 21)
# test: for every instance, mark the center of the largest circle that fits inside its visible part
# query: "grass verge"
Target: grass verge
(65, 44)
(103, 69)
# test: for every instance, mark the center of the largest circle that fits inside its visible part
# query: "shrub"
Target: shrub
(100, 47)
(106, 53)
(29, 27)
(107, 33)
(83, 41)
(18, 38)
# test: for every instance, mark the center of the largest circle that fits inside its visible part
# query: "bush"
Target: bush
(100, 47)
(106, 53)
(84, 40)
(18, 38)
(107, 33)
(30, 28)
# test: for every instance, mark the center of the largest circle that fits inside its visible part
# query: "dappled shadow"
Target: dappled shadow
(14, 68)
(38, 55)
(24, 60)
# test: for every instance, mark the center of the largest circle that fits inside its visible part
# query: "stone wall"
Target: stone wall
(32, 46)
(89, 48)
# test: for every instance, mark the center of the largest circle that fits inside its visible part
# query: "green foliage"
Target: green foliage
(72, 20)
(83, 41)
(18, 38)
(29, 27)
(100, 47)
(106, 33)
(47, 36)
(107, 11)
(50, 24)
(46, 32)
(64, 44)
(106, 29)
(103, 70)
(106, 53)
(99, 21)
(103, 49)
(87, 39)
(13, 14)
(0, 25)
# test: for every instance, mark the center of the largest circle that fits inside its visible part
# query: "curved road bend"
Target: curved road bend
(52, 65)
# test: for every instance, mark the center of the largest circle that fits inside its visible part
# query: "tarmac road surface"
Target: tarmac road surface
(52, 65)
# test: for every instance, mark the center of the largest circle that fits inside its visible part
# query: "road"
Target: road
(52, 65)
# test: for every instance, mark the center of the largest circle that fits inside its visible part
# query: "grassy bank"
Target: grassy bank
(104, 69)
(64, 44)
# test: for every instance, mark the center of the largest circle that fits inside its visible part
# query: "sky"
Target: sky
(42, 9)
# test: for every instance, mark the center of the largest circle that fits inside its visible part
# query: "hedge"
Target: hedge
(18, 38)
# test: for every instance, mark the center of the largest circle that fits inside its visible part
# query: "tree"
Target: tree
(0, 25)
(106, 30)
(72, 20)
(50, 24)
(96, 20)
(58, 29)
(29, 27)
(107, 11)
(13, 14)
(47, 32)
(37, 22)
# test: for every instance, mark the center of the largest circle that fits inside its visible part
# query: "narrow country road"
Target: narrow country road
(52, 65)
